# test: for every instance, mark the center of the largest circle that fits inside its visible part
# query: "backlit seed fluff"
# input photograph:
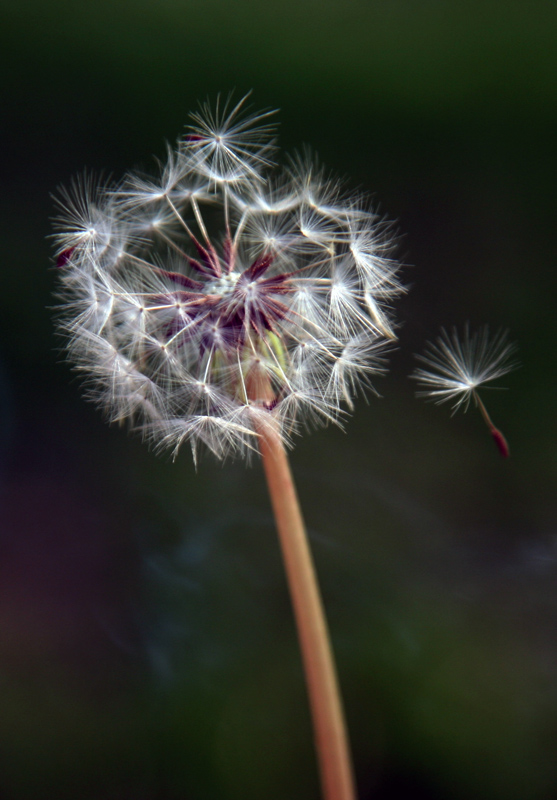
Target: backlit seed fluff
(223, 294)
(456, 367)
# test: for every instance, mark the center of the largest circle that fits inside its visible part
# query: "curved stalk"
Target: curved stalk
(331, 740)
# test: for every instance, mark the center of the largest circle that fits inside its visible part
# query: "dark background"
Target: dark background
(147, 648)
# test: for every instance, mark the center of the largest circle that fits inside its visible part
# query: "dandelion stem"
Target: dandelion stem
(331, 740)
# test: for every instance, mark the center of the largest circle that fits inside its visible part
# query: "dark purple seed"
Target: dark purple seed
(259, 266)
(64, 257)
(501, 442)
(181, 280)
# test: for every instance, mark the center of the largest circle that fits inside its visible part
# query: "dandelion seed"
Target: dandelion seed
(457, 367)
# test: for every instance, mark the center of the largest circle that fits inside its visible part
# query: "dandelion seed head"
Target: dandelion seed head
(223, 294)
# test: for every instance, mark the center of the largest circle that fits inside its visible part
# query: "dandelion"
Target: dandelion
(225, 304)
(456, 368)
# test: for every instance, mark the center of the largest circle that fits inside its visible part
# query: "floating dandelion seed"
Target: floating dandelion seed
(219, 297)
(458, 367)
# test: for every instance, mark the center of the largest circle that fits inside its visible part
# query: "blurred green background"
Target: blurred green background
(147, 648)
